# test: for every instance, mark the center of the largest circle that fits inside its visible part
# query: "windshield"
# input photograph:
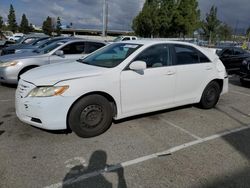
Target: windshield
(110, 56)
(19, 40)
(117, 39)
(50, 47)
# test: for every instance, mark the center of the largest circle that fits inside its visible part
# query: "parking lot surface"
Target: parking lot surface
(181, 147)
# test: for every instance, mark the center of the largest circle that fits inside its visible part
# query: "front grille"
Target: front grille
(24, 88)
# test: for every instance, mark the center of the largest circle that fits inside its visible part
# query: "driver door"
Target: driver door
(72, 52)
(152, 89)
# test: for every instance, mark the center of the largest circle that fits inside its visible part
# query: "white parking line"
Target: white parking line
(183, 130)
(6, 100)
(241, 93)
(146, 158)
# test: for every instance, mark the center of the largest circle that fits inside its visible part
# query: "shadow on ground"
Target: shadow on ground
(240, 179)
(90, 176)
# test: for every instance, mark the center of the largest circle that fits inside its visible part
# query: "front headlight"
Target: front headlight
(47, 91)
(8, 64)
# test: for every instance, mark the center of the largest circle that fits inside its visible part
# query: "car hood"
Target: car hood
(54, 73)
(18, 56)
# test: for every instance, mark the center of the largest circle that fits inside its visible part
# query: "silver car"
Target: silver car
(12, 66)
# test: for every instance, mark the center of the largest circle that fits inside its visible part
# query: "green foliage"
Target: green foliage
(58, 26)
(211, 25)
(12, 19)
(225, 32)
(24, 25)
(248, 31)
(165, 18)
(1, 22)
(47, 26)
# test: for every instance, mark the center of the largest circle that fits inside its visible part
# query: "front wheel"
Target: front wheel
(210, 96)
(90, 116)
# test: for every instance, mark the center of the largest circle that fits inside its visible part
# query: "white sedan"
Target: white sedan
(120, 80)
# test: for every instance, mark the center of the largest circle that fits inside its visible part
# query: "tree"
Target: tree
(31, 28)
(248, 31)
(187, 17)
(47, 26)
(211, 25)
(1, 22)
(165, 18)
(24, 25)
(225, 32)
(12, 19)
(58, 26)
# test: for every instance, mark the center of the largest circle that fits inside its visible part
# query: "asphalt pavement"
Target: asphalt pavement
(180, 147)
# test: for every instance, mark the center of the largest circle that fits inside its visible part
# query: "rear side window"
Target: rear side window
(188, 55)
(227, 52)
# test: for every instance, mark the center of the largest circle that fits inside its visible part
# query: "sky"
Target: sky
(88, 13)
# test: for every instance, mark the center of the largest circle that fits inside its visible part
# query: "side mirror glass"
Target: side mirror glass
(138, 66)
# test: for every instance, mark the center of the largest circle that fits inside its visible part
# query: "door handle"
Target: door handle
(170, 73)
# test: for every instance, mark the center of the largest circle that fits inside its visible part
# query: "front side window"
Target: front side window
(111, 55)
(155, 56)
(227, 52)
(125, 39)
(74, 48)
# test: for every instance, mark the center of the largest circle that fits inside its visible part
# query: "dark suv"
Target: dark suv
(245, 72)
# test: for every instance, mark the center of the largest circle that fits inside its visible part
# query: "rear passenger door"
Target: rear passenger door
(194, 70)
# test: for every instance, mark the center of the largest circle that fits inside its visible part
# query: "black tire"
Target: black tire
(243, 82)
(90, 116)
(210, 95)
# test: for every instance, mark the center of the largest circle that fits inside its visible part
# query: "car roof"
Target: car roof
(155, 41)
(69, 40)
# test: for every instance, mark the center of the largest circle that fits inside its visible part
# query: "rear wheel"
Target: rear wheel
(210, 96)
(90, 116)
(243, 82)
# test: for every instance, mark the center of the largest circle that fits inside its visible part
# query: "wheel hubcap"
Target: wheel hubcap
(211, 95)
(91, 116)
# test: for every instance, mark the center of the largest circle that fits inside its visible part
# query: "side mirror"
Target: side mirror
(138, 66)
(59, 53)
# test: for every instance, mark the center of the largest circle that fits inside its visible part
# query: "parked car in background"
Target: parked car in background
(15, 37)
(16, 47)
(125, 38)
(232, 58)
(41, 44)
(245, 72)
(26, 39)
(12, 66)
(120, 80)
